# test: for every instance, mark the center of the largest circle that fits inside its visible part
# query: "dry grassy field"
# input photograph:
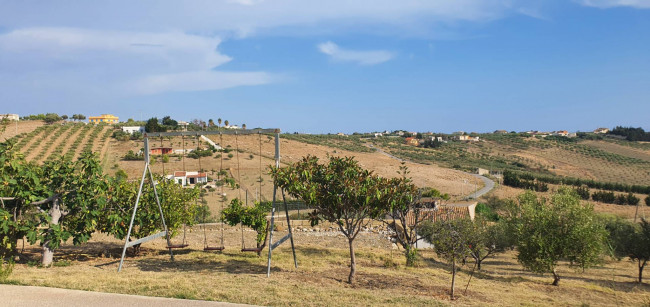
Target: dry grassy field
(320, 279)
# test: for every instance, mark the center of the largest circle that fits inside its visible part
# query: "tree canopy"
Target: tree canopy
(554, 229)
(340, 190)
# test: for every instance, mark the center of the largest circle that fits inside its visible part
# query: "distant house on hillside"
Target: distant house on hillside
(412, 141)
(9, 117)
(482, 171)
(188, 178)
(466, 137)
(133, 129)
(104, 118)
(161, 151)
(183, 125)
(601, 131)
(500, 132)
(560, 133)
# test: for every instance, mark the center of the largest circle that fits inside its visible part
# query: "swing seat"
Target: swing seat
(213, 248)
(252, 249)
(177, 246)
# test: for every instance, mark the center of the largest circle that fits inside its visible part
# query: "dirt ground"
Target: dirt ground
(13, 128)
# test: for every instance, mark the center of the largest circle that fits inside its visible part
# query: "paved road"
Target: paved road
(20, 296)
(488, 183)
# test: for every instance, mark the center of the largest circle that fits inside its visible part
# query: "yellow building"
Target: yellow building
(104, 118)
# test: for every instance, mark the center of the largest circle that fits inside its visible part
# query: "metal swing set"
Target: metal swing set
(166, 233)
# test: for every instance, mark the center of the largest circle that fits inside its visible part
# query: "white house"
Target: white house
(133, 129)
(187, 178)
(601, 130)
(9, 117)
(466, 138)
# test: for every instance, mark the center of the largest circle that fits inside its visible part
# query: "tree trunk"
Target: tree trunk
(478, 263)
(353, 262)
(641, 266)
(453, 277)
(411, 255)
(55, 214)
(556, 278)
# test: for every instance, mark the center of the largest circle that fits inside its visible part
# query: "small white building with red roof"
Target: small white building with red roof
(188, 178)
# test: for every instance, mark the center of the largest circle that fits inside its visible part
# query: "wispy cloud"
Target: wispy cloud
(119, 62)
(365, 57)
(640, 4)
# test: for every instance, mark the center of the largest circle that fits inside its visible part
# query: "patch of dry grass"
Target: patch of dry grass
(320, 279)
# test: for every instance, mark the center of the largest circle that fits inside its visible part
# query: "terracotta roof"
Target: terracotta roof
(200, 175)
(179, 174)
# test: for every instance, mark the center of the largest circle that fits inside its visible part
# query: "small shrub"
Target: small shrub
(62, 263)
(5, 270)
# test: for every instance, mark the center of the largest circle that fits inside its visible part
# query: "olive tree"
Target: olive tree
(340, 190)
(452, 241)
(559, 228)
(630, 240)
(488, 239)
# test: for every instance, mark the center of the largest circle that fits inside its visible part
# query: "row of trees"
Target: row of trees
(61, 199)
(167, 123)
(631, 134)
(53, 117)
(577, 182)
(512, 180)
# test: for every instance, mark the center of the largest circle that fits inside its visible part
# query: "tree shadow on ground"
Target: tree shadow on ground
(231, 266)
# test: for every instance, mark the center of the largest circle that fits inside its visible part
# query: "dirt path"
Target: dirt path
(19, 296)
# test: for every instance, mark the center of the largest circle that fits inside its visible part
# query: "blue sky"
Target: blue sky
(331, 66)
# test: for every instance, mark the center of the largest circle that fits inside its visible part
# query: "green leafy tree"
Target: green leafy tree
(452, 241)
(630, 240)
(178, 205)
(51, 203)
(252, 217)
(226, 122)
(559, 228)
(488, 239)
(402, 200)
(21, 181)
(219, 121)
(52, 118)
(340, 191)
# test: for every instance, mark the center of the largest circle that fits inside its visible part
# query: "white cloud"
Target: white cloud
(366, 57)
(117, 61)
(641, 4)
(251, 16)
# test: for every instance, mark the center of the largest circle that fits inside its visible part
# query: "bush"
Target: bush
(5, 270)
(583, 191)
(487, 212)
(131, 156)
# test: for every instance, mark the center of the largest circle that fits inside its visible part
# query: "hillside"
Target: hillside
(601, 160)
(40, 142)
(604, 160)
